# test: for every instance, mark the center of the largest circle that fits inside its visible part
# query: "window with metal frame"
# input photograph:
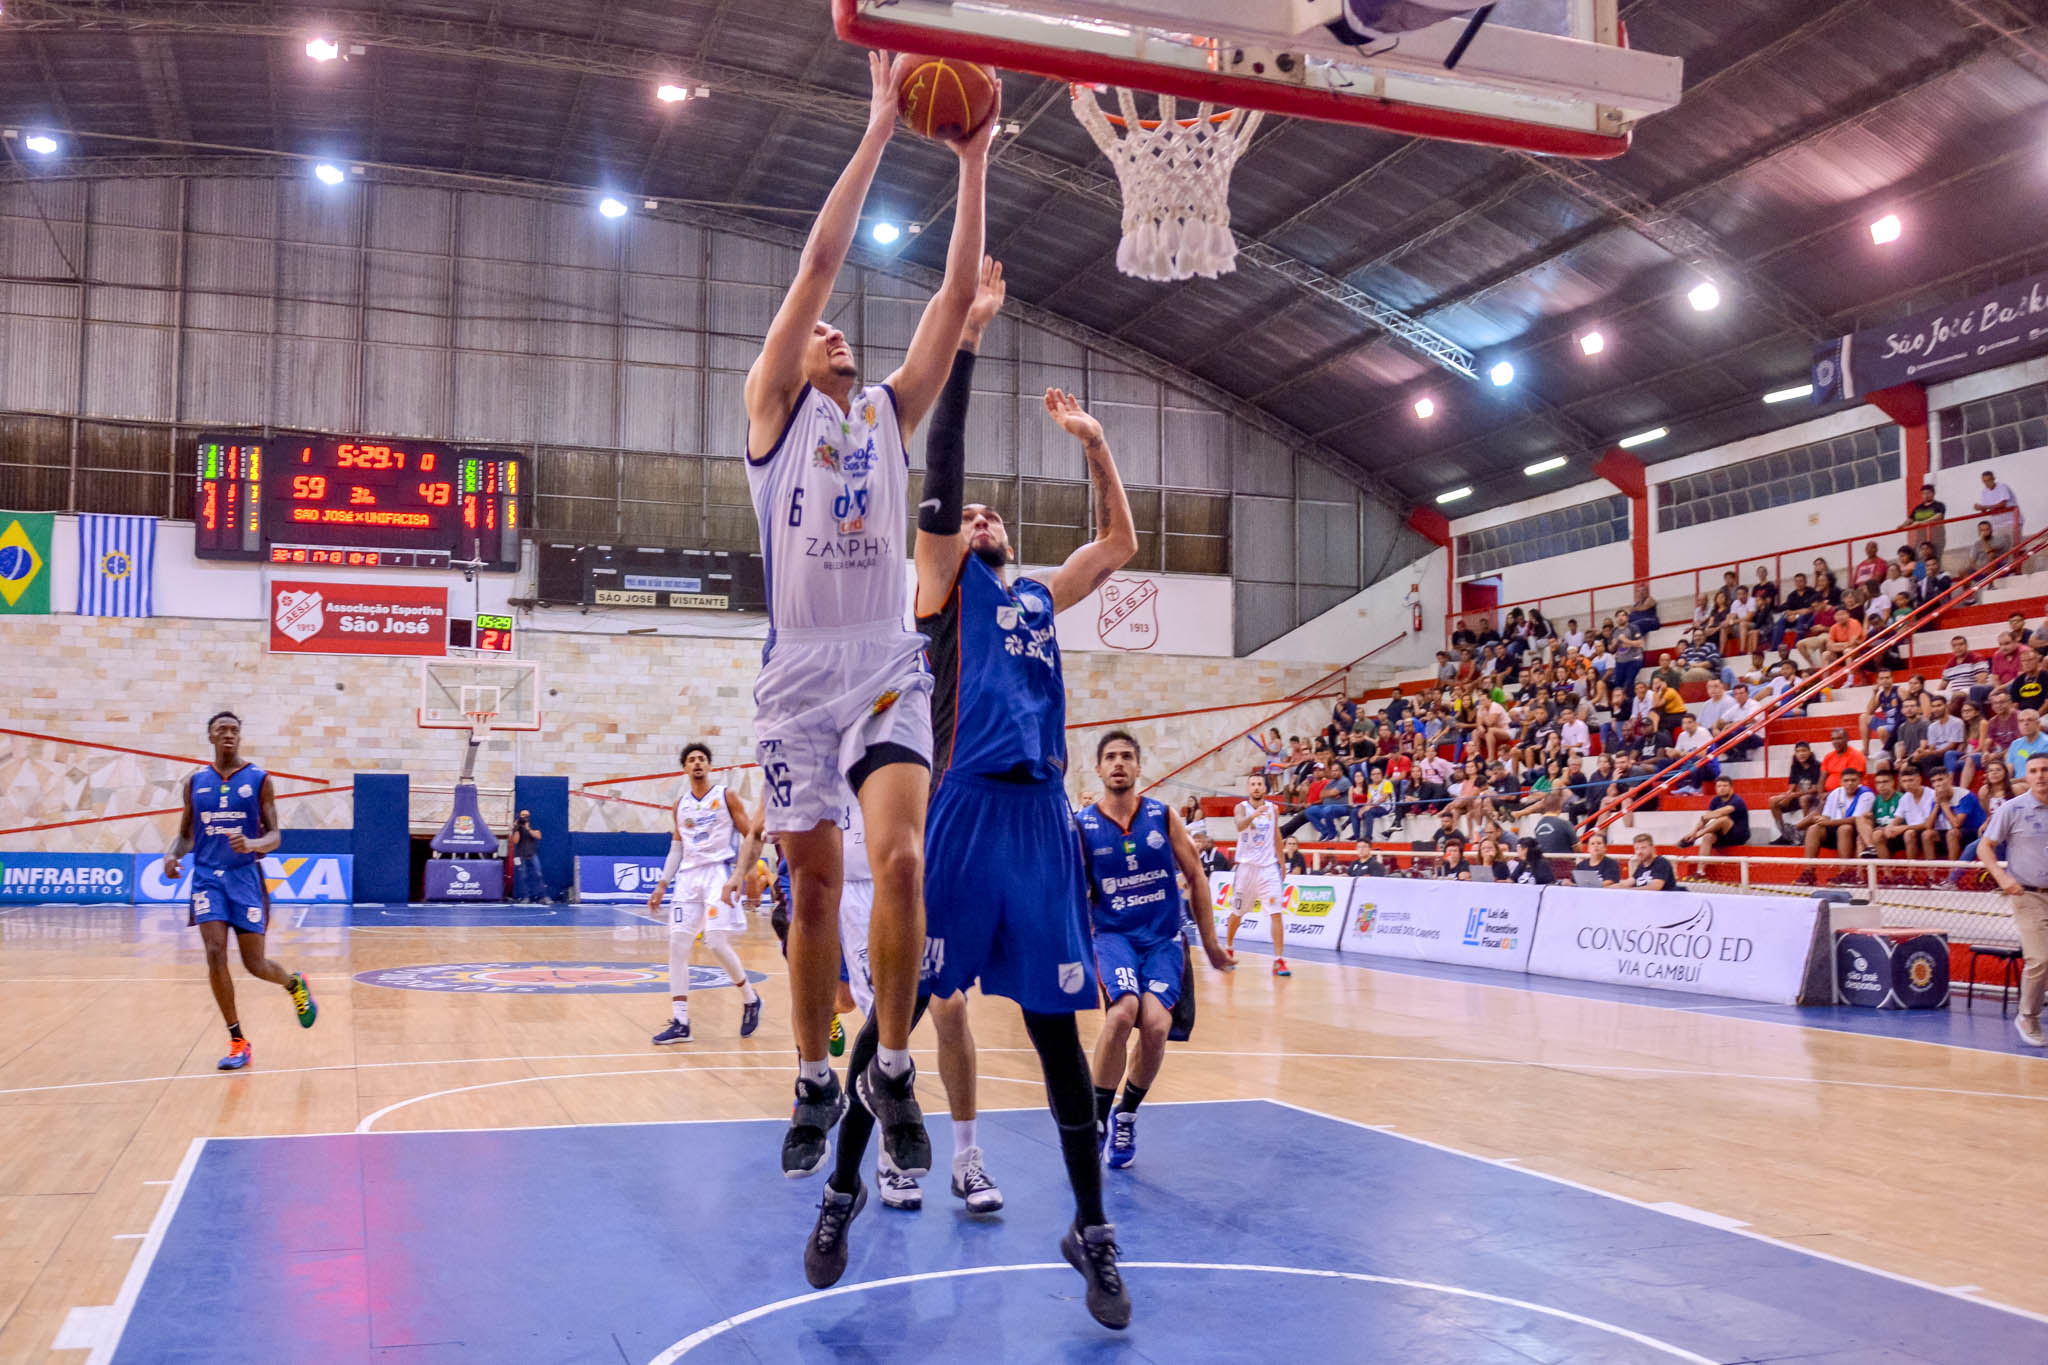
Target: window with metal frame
(1583, 526)
(1779, 479)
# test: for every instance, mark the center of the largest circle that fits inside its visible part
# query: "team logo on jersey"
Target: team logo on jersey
(1072, 977)
(1155, 841)
(1008, 616)
(867, 413)
(542, 978)
(885, 701)
(825, 457)
(856, 461)
(243, 790)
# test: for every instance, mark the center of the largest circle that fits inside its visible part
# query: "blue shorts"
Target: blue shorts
(234, 895)
(1005, 902)
(1134, 966)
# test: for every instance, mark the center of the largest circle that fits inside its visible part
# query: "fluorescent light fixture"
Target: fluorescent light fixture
(885, 233)
(671, 94)
(1885, 229)
(40, 143)
(1545, 466)
(611, 208)
(1592, 343)
(1425, 408)
(323, 49)
(1787, 395)
(1502, 374)
(328, 175)
(1455, 494)
(1643, 438)
(1705, 296)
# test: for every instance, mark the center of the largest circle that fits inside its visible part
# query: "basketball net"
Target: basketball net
(1175, 176)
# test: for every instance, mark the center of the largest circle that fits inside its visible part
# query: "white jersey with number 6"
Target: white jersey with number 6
(1256, 845)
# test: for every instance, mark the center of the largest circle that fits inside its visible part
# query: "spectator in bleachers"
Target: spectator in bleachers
(1739, 635)
(1946, 735)
(1490, 728)
(2030, 688)
(1293, 862)
(1472, 800)
(1986, 549)
(1878, 723)
(1909, 740)
(1309, 797)
(1433, 777)
(1870, 568)
(1628, 654)
(1642, 613)
(1743, 709)
(1924, 521)
(1972, 759)
(1372, 799)
(1839, 758)
(1965, 672)
(1329, 803)
(1916, 816)
(1802, 806)
(1997, 788)
(1575, 736)
(1597, 862)
(1465, 634)
(1997, 500)
(1650, 870)
(1958, 815)
(1844, 821)
(1934, 580)
(1589, 789)
(1795, 616)
(1488, 857)
(2005, 660)
(2030, 742)
(1724, 825)
(1213, 859)
(1804, 772)
(1887, 823)
(1686, 746)
(1529, 867)
(1715, 707)
(1451, 864)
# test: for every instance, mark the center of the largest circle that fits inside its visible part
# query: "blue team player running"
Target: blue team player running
(1005, 900)
(230, 822)
(1133, 845)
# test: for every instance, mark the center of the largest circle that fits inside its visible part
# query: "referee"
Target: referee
(2021, 824)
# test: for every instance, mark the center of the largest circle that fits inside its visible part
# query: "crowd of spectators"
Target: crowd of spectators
(1534, 725)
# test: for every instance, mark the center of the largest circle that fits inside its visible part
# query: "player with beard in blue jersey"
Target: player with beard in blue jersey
(1133, 845)
(229, 823)
(1005, 898)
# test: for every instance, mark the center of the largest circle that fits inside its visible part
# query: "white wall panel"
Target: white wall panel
(127, 371)
(226, 378)
(322, 215)
(316, 384)
(38, 363)
(663, 316)
(578, 402)
(577, 311)
(240, 208)
(405, 390)
(494, 397)
(751, 262)
(493, 308)
(136, 203)
(1260, 464)
(498, 227)
(725, 419)
(318, 289)
(1197, 451)
(409, 218)
(228, 283)
(407, 298)
(30, 249)
(655, 247)
(661, 410)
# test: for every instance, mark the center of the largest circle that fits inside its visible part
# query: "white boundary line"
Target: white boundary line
(717, 1329)
(1743, 1231)
(145, 1257)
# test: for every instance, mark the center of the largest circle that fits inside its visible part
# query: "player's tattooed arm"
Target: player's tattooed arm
(174, 856)
(1190, 864)
(750, 845)
(941, 543)
(273, 830)
(1116, 537)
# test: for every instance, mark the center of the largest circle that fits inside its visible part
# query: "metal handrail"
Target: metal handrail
(1820, 680)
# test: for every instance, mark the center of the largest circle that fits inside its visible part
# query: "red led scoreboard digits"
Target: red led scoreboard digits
(356, 502)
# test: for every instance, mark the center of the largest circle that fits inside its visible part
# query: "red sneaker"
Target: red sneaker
(1280, 967)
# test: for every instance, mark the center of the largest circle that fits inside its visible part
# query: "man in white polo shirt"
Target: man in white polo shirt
(2021, 826)
(1843, 820)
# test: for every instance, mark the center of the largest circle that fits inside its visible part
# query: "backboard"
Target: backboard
(1547, 76)
(455, 693)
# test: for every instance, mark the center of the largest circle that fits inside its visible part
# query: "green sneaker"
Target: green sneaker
(838, 1043)
(302, 1000)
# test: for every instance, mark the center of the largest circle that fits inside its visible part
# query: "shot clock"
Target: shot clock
(357, 502)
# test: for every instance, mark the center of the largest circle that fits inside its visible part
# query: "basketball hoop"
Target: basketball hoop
(479, 725)
(1175, 177)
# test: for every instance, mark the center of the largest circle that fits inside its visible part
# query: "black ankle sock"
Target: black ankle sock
(1105, 1100)
(1134, 1095)
(235, 1032)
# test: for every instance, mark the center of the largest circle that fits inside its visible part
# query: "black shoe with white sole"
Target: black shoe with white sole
(825, 1253)
(1092, 1251)
(893, 1102)
(817, 1108)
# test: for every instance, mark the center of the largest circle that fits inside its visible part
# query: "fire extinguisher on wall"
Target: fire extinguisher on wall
(1415, 607)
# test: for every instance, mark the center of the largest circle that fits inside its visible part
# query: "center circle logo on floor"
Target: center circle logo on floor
(542, 978)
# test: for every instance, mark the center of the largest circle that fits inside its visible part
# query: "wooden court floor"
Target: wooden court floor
(1903, 1156)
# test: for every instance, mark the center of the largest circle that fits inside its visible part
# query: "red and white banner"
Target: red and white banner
(319, 616)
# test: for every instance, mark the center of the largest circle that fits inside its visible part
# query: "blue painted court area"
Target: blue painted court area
(1253, 1231)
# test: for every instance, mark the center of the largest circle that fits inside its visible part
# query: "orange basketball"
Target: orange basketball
(943, 98)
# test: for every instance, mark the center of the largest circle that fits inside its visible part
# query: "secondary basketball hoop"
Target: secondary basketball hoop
(1175, 176)
(479, 696)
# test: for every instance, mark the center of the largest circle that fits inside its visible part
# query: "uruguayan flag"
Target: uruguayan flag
(116, 566)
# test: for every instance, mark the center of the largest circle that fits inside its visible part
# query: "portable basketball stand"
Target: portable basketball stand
(477, 695)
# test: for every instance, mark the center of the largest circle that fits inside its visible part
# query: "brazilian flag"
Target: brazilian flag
(25, 563)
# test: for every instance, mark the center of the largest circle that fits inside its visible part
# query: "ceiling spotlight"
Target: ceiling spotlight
(1643, 438)
(671, 94)
(323, 49)
(40, 143)
(1425, 408)
(1705, 296)
(1545, 466)
(611, 208)
(1885, 229)
(1787, 395)
(1502, 375)
(885, 233)
(328, 175)
(1592, 343)
(1455, 494)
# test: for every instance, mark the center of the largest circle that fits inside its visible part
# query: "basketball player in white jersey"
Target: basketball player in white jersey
(708, 885)
(844, 697)
(1257, 884)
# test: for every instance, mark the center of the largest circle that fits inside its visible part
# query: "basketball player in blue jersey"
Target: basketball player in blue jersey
(1005, 901)
(229, 805)
(1133, 845)
(842, 709)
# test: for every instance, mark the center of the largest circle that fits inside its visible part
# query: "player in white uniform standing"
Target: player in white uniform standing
(844, 698)
(708, 885)
(1257, 884)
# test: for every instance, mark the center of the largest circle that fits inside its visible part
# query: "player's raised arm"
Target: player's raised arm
(273, 829)
(1190, 864)
(941, 539)
(930, 357)
(180, 846)
(1116, 539)
(777, 374)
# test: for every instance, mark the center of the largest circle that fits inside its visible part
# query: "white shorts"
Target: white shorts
(856, 904)
(1257, 886)
(824, 698)
(693, 904)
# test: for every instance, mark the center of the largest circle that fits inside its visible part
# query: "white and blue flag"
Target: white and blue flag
(116, 566)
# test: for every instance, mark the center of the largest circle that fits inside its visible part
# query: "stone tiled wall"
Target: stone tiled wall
(615, 706)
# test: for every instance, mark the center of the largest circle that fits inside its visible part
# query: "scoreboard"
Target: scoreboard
(357, 502)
